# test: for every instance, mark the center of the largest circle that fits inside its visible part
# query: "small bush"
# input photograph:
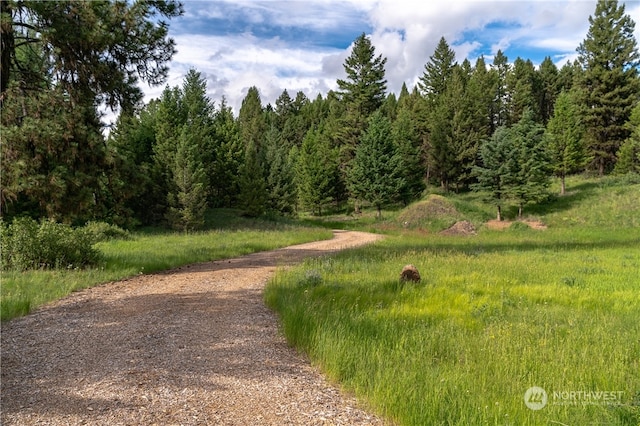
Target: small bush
(27, 244)
(102, 231)
(519, 226)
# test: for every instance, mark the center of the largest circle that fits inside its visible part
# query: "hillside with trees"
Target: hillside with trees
(503, 128)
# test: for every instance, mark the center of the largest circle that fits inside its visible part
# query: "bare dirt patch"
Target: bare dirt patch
(460, 228)
(192, 346)
(504, 224)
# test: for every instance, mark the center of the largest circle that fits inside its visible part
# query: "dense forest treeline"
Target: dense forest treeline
(504, 128)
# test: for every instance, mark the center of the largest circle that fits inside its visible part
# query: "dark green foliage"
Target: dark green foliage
(229, 156)
(52, 157)
(515, 165)
(522, 86)
(280, 183)
(187, 205)
(102, 231)
(376, 175)
(316, 171)
(438, 71)
(98, 49)
(365, 87)
(27, 244)
(493, 175)
(629, 153)
(408, 142)
(362, 93)
(253, 191)
(499, 73)
(547, 90)
(565, 138)
(529, 164)
(610, 85)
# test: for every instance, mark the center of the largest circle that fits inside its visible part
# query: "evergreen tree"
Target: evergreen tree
(547, 77)
(253, 191)
(93, 54)
(187, 205)
(522, 86)
(529, 165)
(317, 170)
(280, 183)
(629, 154)
(435, 84)
(565, 137)
(501, 99)
(610, 85)
(251, 120)
(515, 165)
(376, 175)
(362, 93)
(438, 71)
(493, 174)
(408, 142)
(132, 190)
(365, 87)
(229, 156)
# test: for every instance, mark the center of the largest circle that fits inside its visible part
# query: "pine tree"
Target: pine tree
(188, 204)
(434, 84)
(229, 156)
(493, 174)
(362, 93)
(529, 165)
(522, 86)
(253, 191)
(365, 87)
(547, 77)
(408, 142)
(629, 153)
(565, 137)
(610, 84)
(280, 182)
(316, 171)
(501, 98)
(438, 71)
(376, 175)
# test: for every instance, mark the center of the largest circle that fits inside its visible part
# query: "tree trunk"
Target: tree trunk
(520, 211)
(499, 213)
(562, 185)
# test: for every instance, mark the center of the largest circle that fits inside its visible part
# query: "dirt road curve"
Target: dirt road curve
(193, 346)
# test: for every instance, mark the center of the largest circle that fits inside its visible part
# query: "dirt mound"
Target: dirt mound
(505, 224)
(423, 213)
(460, 228)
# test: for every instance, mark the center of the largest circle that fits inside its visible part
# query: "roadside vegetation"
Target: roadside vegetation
(495, 313)
(122, 255)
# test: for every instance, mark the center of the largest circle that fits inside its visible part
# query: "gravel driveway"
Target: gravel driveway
(191, 346)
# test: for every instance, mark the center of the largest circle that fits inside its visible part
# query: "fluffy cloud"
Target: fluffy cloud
(302, 45)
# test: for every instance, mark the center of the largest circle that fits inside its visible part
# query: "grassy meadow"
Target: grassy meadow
(151, 251)
(495, 314)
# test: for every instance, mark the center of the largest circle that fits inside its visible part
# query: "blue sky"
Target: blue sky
(301, 45)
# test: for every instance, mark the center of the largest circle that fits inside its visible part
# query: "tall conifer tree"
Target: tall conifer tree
(610, 85)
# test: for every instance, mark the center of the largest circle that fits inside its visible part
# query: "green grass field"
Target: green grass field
(148, 252)
(495, 314)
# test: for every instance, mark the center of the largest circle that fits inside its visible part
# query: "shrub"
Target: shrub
(102, 231)
(27, 244)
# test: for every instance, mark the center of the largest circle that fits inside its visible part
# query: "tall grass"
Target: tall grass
(144, 253)
(494, 315)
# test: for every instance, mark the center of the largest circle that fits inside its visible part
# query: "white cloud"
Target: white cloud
(277, 45)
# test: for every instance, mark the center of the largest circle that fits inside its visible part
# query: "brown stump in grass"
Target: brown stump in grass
(410, 273)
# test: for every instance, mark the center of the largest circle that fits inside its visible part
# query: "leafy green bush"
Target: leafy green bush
(102, 231)
(27, 244)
